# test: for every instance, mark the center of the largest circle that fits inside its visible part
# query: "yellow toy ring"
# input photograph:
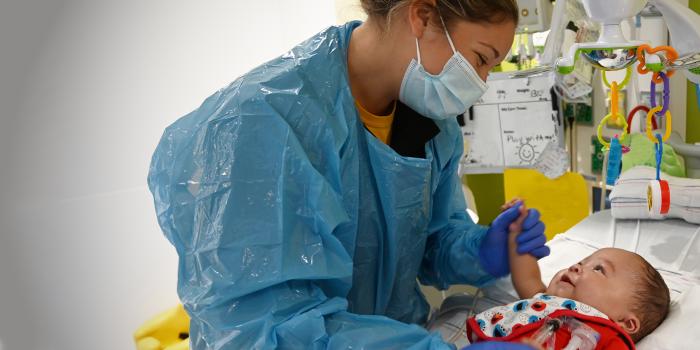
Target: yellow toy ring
(650, 115)
(628, 74)
(614, 101)
(600, 129)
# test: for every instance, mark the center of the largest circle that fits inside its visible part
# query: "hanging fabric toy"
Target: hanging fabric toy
(614, 161)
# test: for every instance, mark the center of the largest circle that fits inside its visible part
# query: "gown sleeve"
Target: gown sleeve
(452, 250)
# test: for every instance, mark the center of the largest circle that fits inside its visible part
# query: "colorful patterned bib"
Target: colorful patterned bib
(500, 321)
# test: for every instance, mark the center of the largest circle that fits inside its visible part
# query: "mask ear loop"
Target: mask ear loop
(449, 39)
(447, 33)
(417, 51)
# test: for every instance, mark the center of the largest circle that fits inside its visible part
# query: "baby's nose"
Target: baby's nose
(576, 268)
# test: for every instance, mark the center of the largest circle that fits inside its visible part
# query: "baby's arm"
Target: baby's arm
(525, 273)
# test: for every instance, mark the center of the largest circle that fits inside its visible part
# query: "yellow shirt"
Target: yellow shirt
(379, 126)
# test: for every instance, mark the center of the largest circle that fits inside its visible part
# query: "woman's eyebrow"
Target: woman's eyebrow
(496, 54)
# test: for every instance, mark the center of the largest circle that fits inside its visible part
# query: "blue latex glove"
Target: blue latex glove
(493, 253)
(498, 346)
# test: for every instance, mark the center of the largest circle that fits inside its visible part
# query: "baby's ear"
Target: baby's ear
(630, 323)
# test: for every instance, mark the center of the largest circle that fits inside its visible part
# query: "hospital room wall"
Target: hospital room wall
(16, 311)
(9, 293)
(82, 260)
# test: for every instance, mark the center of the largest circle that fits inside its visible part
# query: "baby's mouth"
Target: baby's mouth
(565, 278)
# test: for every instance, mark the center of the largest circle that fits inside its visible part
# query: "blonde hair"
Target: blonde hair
(489, 11)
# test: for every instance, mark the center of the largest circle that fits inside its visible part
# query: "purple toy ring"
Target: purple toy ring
(666, 94)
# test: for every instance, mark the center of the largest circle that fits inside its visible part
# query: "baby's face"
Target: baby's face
(604, 280)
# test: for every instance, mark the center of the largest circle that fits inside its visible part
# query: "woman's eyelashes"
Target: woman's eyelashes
(481, 59)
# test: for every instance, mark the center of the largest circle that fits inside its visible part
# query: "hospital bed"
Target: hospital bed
(672, 246)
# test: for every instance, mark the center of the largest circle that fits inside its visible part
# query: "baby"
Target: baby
(614, 291)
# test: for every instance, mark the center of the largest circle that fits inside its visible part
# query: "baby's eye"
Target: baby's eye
(599, 268)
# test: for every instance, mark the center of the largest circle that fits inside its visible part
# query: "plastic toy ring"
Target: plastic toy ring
(600, 130)
(671, 55)
(633, 113)
(628, 74)
(650, 116)
(666, 94)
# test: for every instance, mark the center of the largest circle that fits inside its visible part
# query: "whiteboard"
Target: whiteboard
(510, 125)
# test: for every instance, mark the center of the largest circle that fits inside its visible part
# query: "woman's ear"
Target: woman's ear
(630, 323)
(420, 13)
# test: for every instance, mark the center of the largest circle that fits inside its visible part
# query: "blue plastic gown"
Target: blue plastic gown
(295, 227)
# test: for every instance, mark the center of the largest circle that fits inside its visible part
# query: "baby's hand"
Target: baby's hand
(513, 202)
(517, 226)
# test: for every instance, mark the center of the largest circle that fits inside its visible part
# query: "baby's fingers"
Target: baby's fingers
(513, 202)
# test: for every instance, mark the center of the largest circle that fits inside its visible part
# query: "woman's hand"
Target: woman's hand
(493, 253)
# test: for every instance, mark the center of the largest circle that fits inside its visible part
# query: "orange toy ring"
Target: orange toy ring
(671, 55)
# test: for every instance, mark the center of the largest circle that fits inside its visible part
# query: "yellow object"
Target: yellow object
(614, 101)
(614, 94)
(650, 115)
(489, 195)
(167, 331)
(606, 144)
(617, 121)
(563, 202)
(614, 118)
(379, 126)
(628, 74)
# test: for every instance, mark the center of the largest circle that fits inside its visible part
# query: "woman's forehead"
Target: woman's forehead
(498, 35)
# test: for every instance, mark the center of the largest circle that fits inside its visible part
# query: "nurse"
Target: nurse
(308, 198)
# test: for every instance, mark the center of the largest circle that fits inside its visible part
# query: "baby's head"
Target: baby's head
(620, 284)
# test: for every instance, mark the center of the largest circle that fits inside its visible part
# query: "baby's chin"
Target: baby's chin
(562, 291)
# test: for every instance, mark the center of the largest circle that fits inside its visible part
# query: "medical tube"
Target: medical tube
(583, 337)
(547, 333)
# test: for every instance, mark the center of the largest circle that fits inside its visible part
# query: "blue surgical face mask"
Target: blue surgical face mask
(445, 95)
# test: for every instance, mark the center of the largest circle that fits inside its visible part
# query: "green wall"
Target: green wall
(692, 132)
(489, 195)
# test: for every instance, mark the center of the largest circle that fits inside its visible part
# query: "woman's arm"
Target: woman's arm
(459, 251)
(452, 248)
